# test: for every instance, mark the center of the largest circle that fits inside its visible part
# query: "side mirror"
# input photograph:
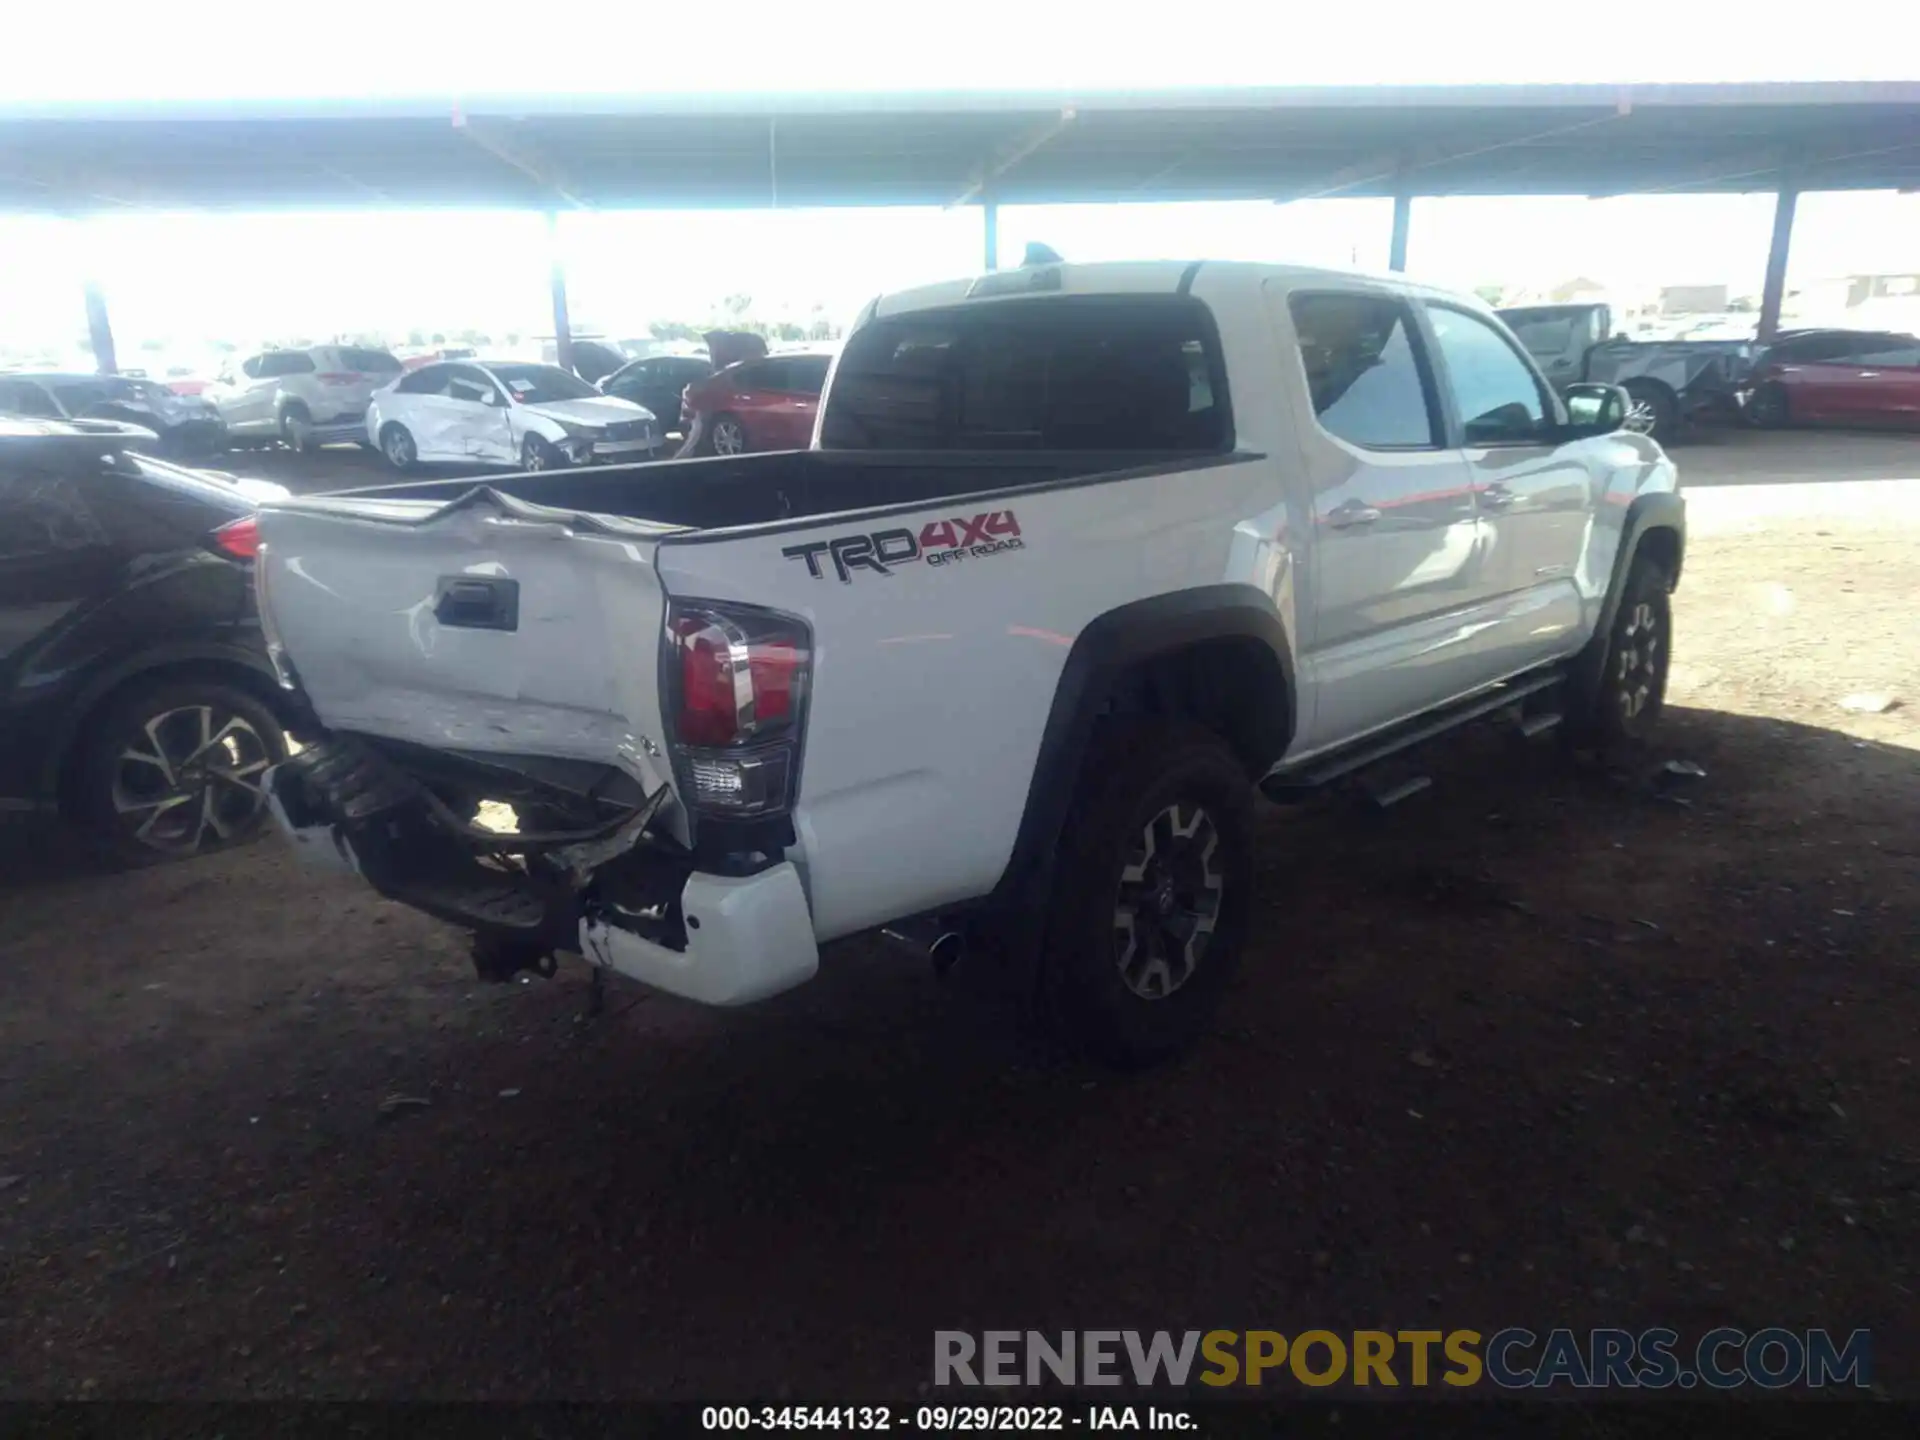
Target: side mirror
(1596, 409)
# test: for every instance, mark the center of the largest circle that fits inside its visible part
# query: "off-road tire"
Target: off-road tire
(1145, 778)
(1625, 701)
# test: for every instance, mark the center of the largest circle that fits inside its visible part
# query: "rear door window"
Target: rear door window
(1091, 372)
(427, 380)
(1365, 373)
(285, 362)
(368, 362)
(24, 397)
(805, 374)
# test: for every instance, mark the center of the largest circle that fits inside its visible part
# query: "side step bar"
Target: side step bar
(1296, 784)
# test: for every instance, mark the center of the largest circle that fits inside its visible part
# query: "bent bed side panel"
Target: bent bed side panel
(726, 493)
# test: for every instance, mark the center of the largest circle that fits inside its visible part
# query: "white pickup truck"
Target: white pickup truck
(1079, 557)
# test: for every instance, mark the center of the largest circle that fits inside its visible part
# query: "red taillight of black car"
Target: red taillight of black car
(736, 699)
(239, 539)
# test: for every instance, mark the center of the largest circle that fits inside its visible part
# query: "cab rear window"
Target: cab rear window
(1094, 372)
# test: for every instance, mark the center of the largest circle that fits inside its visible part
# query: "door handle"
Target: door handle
(470, 602)
(1354, 512)
(1869, 375)
(1497, 496)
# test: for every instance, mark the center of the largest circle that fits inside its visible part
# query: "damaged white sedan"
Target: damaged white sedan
(535, 417)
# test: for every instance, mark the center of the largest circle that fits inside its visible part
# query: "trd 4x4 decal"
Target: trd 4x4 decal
(938, 542)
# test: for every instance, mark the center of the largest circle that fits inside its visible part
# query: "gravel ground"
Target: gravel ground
(1539, 1047)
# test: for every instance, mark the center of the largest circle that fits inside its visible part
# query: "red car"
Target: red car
(764, 404)
(1860, 377)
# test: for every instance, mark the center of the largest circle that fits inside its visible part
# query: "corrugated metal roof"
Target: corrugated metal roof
(667, 151)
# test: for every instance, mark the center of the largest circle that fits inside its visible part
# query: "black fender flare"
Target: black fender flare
(1660, 510)
(152, 661)
(1112, 644)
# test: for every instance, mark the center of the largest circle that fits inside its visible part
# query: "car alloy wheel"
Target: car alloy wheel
(1640, 418)
(189, 779)
(1169, 901)
(729, 437)
(537, 454)
(398, 447)
(1637, 666)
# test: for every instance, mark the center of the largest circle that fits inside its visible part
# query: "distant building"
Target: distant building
(1861, 302)
(1693, 299)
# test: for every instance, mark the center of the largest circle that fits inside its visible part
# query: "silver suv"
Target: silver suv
(304, 397)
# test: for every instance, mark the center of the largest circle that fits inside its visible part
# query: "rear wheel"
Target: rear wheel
(1152, 893)
(1769, 407)
(1655, 411)
(176, 769)
(296, 428)
(729, 436)
(396, 443)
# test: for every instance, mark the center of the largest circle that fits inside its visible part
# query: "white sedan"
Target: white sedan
(538, 417)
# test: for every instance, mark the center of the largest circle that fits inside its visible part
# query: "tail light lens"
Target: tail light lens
(737, 691)
(239, 538)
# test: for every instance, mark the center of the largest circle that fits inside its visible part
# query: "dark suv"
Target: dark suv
(136, 696)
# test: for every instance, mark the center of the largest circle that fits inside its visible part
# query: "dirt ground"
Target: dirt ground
(1540, 1047)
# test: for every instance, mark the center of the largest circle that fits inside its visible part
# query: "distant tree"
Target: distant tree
(512, 337)
(737, 305)
(673, 330)
(1492, 294)
(787, 330)
(439, 339)
(153, 347)
(415, 338)
(823, 329)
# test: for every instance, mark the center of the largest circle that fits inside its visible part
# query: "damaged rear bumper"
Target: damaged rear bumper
(624, 900)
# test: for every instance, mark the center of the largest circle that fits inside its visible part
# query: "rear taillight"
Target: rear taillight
(341, 377)
(239, 538)
(736, 698)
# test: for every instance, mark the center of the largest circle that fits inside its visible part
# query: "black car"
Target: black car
(182, 424)
(657, 382)
(136, 694)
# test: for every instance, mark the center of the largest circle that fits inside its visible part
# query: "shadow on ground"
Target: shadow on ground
(1543, 1047)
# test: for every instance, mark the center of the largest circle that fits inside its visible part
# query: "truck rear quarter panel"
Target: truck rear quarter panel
(934, 673)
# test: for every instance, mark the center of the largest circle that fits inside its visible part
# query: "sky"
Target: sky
(182, 278)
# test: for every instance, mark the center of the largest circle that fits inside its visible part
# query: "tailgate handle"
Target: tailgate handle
(474, 602)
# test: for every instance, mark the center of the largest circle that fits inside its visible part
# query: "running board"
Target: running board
(1284, 785)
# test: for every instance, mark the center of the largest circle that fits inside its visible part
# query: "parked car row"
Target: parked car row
(182, 424)
(1805, 376)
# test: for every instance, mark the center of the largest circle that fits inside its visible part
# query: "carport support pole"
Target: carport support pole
(1402, 218)
(990, 210)
(562, 328)
(1774, 293)
(100, 332)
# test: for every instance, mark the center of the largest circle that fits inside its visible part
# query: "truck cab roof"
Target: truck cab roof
(1139, 277)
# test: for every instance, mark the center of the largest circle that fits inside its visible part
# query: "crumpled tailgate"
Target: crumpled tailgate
(484, 625)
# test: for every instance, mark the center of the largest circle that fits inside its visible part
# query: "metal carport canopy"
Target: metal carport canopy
(850, 148)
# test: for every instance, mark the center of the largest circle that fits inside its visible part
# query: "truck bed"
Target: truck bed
(746, 490)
